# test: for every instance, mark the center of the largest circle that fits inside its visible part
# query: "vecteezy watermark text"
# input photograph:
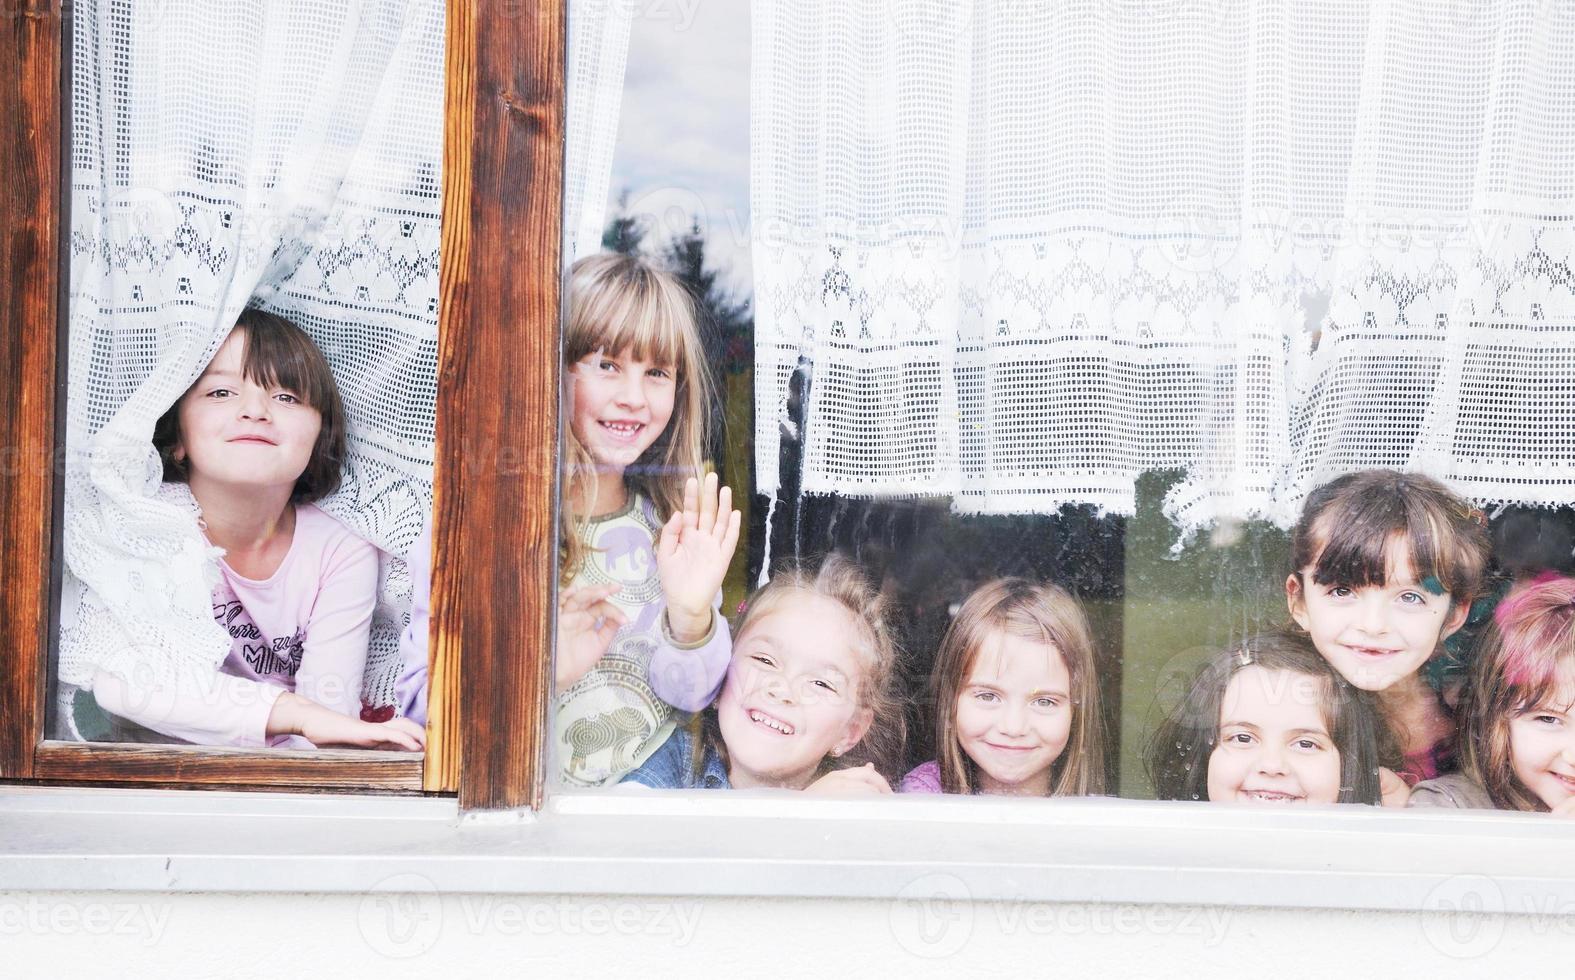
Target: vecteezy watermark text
(41, 916)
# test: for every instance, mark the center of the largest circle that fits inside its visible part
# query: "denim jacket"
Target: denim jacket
(673, 766)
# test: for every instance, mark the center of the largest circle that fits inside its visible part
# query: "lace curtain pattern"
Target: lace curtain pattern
(1032, 250)
(281, 153)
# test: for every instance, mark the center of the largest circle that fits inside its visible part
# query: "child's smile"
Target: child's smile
(1014, 714)
(791, 697)
(1274, 745)
(621, 405)
(1374, 635)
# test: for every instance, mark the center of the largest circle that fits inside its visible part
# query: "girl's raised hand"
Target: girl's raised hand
(587, 623)
(857, 781)
(693, 554)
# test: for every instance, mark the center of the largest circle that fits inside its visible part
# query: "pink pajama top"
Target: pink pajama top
(304, 629)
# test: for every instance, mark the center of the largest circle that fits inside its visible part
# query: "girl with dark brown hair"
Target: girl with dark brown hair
(1268, 723)
(1384, 566)
(249, 448)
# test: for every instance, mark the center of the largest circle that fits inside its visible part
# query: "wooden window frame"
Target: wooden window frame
(495, 484)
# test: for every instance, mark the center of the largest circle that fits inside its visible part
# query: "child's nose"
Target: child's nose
(632, 391)
(1372, 615)
(1271, 760)
(778, 689)
(1014, 720)
(254, 405)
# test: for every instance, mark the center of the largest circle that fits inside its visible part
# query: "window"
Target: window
(497, 442)
(1022, 300)
(495, 477)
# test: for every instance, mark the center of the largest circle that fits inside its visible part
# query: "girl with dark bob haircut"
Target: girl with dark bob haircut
(257, 438)
(1200, 754)
(278, 354)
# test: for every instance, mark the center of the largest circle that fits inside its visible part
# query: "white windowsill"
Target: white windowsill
(630, 842)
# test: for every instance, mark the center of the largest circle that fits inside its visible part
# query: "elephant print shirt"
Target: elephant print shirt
(620, 712)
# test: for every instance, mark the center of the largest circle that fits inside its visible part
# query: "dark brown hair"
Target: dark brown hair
(1520, 659)
(1178, 753)
(278, 354)
(1347, 525)
(1045, 613)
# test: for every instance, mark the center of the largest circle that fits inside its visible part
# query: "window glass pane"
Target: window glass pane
(1155, 401)
(251, 372)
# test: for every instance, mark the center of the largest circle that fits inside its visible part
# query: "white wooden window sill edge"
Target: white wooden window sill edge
(633, 842)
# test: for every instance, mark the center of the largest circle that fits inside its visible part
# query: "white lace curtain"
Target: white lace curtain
(1035, 249)
(281, 153)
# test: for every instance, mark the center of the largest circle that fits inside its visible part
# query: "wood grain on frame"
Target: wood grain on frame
(495, 551)
(205, 765)
(31, 38)
(33, 272)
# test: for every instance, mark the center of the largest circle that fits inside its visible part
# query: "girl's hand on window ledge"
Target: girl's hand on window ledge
(858, 781)
(1392, 788)
(324, 728)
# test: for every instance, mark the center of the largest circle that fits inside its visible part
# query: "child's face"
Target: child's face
(1274, 746)
(1375, 636)
(236, 431)
(1542, 745)
(792, 693)
(1014, 713)
(621, 405)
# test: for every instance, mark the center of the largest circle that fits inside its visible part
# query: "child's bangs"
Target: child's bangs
(1541, 684)
(1356, 550)
(1537, 646)
(280, 358)
(644, 328)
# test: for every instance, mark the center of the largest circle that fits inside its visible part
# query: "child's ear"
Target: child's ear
(1458, 611)
(1296, 599)
(859, 724)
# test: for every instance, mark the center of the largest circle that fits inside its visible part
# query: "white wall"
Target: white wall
(388, 934)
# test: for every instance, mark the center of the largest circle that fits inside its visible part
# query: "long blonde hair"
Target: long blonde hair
(620, 303)
(1040, 612)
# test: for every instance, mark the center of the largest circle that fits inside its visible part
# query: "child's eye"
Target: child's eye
(1239, 738)
(1340, 592)
(288, 398)
(220, 393)
(1045, 702)
(1550, 720)
(662, 373)
(1413, 599)
(606, 365)
(989, 697)
(763, 660)
(1308, 744)
(826, 686)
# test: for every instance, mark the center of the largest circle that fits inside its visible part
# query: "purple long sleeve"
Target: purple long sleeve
(688, 677)
(410, 691)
